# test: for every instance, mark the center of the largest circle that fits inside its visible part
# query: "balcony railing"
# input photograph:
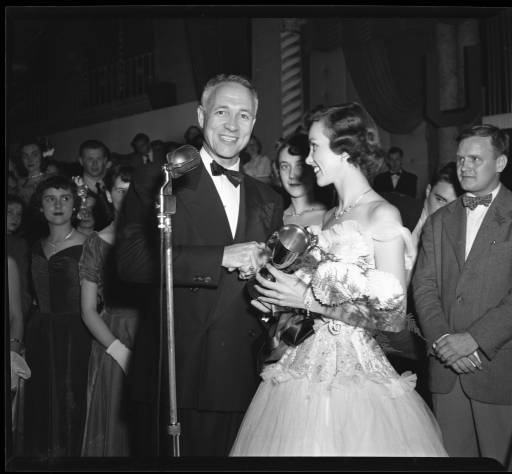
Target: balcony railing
(78, 96)
(123, 80)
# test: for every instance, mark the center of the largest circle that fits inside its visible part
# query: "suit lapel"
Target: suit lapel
(490, 229)
(455, 231)
(201, 201)
(258, 214)
(243, 212)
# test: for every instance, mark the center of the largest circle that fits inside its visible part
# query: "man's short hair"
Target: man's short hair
(93, 145)
(223, 78)
(139, 137)
(499, 138)
(395, 149)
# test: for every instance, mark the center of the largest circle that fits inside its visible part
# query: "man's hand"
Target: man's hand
(455, 346)
(248, 257)
(466, 365)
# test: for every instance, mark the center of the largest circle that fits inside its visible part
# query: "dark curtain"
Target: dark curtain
(218, 45)
(387, 70)
(497, 62)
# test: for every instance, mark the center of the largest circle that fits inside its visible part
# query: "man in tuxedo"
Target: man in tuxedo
(396, 179)
(463, 293)
(222, 219)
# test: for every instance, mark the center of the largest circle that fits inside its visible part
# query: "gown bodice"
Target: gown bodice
(56, 281)
(338, 352)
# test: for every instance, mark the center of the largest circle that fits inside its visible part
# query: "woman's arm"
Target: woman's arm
(290, 291)
(90, 316)
(15, 311)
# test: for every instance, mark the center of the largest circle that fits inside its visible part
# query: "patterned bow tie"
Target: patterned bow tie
(473, 201)
(235, 177)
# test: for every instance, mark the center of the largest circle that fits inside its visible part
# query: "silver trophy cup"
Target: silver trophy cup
(287, 244)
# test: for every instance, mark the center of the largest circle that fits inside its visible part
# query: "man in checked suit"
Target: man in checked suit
(220, 225)
(396, 179)
(463, 294)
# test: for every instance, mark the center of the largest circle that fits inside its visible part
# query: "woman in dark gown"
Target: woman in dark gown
(57, 342)
(113, 328)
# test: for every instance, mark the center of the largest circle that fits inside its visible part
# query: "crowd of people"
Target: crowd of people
(387, 281)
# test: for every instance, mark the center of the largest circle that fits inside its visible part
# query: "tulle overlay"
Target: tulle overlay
(337, 395)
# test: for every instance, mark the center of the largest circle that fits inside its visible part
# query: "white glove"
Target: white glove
(120, 353)
(19, 368)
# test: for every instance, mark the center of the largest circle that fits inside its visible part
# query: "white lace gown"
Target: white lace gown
(337, 394)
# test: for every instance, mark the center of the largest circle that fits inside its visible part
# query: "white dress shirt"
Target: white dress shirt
(394, 179)
(475, 218)
(229, 194)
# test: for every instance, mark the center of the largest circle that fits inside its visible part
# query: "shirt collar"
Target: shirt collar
(207, 159)
(494, 192)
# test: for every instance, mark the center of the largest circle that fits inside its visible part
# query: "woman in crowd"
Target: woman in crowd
(20, 371)
(444, 187)
(113, 329)
(17, 247)
(31, 169)
(336, 394)
(298, 181)
(57, 342)
(258, 166)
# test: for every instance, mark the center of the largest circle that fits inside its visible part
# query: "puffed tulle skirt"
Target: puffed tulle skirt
(358, 417)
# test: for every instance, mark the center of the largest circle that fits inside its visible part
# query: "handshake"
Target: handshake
(247, 258)
(283, 248)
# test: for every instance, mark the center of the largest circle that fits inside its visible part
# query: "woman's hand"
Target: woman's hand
(287, 290)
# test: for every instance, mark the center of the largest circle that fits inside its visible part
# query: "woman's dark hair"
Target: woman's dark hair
(14, 199)
(57, 182)
(448, 174)
(18, 159)
(297, 144)
(118, 171)
(350, 129)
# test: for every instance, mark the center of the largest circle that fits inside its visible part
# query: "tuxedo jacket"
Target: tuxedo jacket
(217, 332)
(407, 183)
(475, 296)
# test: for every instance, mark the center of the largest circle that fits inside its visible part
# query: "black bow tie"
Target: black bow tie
(235, 177)
(473, 201)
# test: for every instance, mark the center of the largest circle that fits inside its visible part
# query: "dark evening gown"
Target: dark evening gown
(57, 351)
(106, 427)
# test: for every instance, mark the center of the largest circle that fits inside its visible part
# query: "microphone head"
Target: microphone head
(182, 160)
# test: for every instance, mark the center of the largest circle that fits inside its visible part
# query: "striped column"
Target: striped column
(291, 76)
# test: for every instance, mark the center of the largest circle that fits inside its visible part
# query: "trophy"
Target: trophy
(286, 245)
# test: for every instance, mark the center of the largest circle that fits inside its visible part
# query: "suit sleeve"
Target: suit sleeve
(494, 329)
(138, 240)
(427, 295)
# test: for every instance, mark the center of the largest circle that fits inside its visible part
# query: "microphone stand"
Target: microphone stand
(167, 208)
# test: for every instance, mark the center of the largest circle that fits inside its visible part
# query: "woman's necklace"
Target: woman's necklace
(338, 213)
(34, 176)
(291, 213)
(53, 245)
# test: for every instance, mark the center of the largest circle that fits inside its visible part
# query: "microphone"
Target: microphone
(182, 160)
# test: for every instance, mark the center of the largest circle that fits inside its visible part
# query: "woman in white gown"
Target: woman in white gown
(336, 394)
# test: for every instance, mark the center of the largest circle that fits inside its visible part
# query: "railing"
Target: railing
(75, 95)
(123, 80)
